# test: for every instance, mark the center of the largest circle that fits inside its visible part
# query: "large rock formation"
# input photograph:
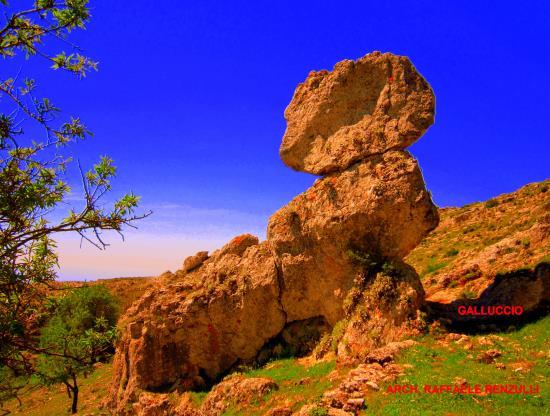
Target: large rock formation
(361, 108)
(378, 206)
(332, 252)
(187, 332)
(384, 307)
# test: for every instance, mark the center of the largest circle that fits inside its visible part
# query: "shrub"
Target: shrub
(491, 203)
(468, 294)
(451, 253)
(366, 260)
(338, 332)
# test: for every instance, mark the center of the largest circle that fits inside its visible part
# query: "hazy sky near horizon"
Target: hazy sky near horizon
(189, 102)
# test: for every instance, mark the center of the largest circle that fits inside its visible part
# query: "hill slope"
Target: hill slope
(472, 244)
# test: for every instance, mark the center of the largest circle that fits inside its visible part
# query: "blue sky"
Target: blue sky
(190, 96)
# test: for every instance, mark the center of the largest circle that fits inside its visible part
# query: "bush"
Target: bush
(366, 260)
(491, 203)
(468, 294)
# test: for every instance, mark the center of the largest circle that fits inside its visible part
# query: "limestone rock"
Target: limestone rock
(387, 353)
(187, 407)
(358, 383)
(378, 207)
(383, 310)
(236, 390)
(360, 108)
(184, 334)
(150, 404)
(279, 411)
(192, 262)
(239, 244)
(506, 235)
(527, 288)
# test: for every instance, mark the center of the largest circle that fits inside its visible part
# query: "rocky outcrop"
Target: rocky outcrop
(192, 262)
(487, 254)
(332, 255)
(234, 391)
(365, 378)
(359, 109)
(378, 206)
(184, 334)
(528, 290)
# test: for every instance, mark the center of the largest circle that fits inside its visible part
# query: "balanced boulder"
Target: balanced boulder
(361, 108)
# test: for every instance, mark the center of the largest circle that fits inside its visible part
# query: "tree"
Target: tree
(33, 180)
(80, 332)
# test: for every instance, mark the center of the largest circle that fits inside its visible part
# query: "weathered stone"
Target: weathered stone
(526, 288)
(150, 404)
(236, 390)
(361, 108)
(378, 208)
(384, 309)
(387, 353)
(279, 411)
(488, 357)
(189, 337)
(192, 262)
(327, 253)
(238, 245)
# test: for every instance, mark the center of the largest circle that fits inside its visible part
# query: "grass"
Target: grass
(433, 266)
(298, 385)
(289, 369)
(452, 252)
(435, 364)
(483, 233)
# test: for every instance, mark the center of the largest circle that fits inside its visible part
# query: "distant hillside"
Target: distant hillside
(474, 243)
(126, 289)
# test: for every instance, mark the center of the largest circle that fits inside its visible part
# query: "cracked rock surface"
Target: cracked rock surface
(379, 206)
(360, 108)
(185, 333)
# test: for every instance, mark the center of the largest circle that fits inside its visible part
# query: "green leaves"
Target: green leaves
(126, 205)
(6, 129)
(26, 31)
(33, 183)
(80, 331)
(102, 173)
(76, 63)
